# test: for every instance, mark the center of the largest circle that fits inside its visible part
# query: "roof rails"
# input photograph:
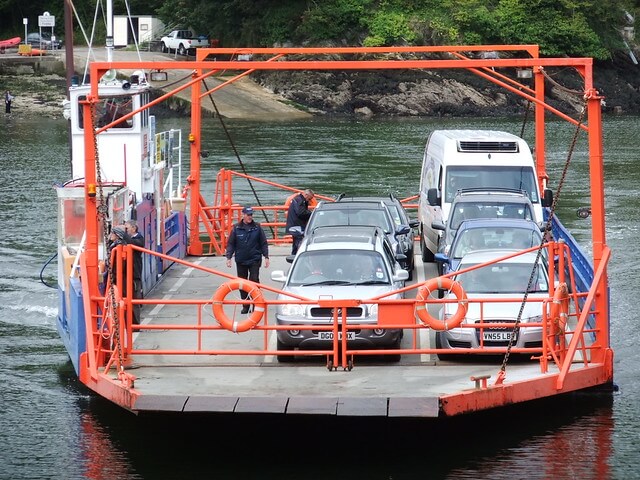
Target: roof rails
(344, 233)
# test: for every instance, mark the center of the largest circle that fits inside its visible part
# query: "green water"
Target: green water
(51, 427)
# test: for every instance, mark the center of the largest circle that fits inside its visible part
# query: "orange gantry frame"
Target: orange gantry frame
(388, 58)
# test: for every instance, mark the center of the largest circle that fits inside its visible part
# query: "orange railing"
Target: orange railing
(203, 334)
(215, 221)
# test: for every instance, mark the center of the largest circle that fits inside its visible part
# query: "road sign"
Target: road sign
(46, 20)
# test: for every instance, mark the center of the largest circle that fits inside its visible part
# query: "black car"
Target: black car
(43, 41)
(359, 211)
(401, 219)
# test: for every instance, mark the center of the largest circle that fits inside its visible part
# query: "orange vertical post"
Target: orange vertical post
(90, 189)
(540, 149)
(195, 244)
(596, 169)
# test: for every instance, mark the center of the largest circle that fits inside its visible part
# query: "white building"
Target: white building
(143, 27)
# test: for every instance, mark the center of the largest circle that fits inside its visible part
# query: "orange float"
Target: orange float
(433, 285)
(252, 320)
(559, 311)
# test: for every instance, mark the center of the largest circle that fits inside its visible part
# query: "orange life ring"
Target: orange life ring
(559, 311)
(441, 283)
(254, 292)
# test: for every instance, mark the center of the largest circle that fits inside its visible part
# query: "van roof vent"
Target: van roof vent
(488, 146)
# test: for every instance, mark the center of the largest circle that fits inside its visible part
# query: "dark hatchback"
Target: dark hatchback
(400, 217)
(354, 211)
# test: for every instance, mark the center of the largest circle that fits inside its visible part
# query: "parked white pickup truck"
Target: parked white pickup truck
(183, 42)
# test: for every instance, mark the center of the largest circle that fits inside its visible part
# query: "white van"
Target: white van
(463, 159)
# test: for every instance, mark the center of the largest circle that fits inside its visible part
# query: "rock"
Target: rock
(363, 111)
(450, 93)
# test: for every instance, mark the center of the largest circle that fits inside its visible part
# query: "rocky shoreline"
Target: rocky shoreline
(456, 94)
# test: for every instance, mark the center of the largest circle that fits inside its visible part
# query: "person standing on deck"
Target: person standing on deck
(8, 98)
(249, 244)
(117, 236)
(298, 216)
(136, 238)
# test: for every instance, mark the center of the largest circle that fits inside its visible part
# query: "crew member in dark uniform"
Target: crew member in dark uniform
(298, 216)
(249, 244)
(136, 238)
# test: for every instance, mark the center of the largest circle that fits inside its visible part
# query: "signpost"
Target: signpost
(47, 20)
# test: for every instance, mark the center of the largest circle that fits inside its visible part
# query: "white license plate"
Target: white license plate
(496, 336)
(329, 335)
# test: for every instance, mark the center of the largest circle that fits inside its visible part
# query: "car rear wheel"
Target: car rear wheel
(410, 265)
(427, 255)
(394, 358)
(284, 358)
(182, 50)
(441, 356)
(447, 356)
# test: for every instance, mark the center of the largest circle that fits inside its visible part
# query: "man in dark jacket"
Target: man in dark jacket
(136, 238)
(249, 244)
(298, 216)
(117, 236)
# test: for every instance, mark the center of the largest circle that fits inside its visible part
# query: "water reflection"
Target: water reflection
(571, 438)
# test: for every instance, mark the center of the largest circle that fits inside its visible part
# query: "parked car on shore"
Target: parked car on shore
(44, 41)
(183, 42)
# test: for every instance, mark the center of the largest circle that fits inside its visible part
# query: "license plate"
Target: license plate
(496, 336)
(329, 335)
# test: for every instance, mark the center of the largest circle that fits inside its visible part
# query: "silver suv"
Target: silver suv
(341, 263)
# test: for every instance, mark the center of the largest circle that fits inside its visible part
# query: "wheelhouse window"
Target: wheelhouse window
(109, 110)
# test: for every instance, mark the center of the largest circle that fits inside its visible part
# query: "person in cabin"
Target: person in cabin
(136, 238)
(298, 216)
(8, 98)
(112, 112)
(248, 243)
(117, 236)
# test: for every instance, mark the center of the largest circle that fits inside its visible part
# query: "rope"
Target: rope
(526, 117)
(178, 81)
(561, 87)
(547, 231)
(235, 150)
(45, 266)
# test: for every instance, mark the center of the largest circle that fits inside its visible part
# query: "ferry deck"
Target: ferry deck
(258, 383)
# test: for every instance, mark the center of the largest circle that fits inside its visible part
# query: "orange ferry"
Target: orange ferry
(187, 356)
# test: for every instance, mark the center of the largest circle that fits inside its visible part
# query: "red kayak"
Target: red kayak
(12, 42)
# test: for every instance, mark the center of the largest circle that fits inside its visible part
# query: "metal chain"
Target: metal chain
(103, 212)
(547, 232)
